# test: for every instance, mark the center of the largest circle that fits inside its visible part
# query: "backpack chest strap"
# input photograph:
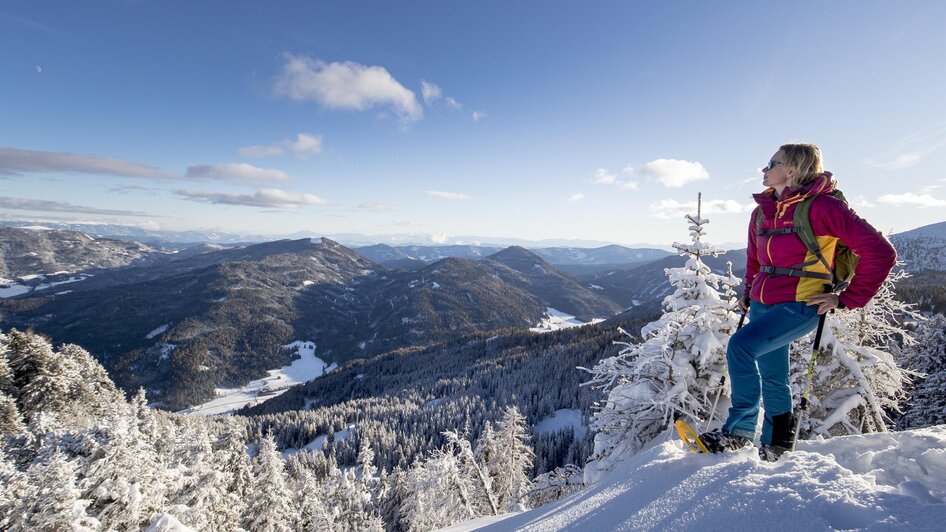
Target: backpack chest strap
(782, 231)
(795, 272)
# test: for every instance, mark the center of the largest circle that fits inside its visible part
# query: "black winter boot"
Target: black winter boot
(717, 441)
(783, 436)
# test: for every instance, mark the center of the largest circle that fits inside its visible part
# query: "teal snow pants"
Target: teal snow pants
(759, 368)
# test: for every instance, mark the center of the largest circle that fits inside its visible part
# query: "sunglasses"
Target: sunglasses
(773, 163)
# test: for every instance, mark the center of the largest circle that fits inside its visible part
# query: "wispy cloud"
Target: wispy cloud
(28, 204)
(675, 173)
(478, 115)
(377, 207)
(268, 198)
(912, 149)
(911, 199)
(236, 172)
(603, 176)
(345, 85)
(303, 147)
(669, 208)
(446, 195)
(575, 198)
(439, 238)
(432, 93)
(16, 162)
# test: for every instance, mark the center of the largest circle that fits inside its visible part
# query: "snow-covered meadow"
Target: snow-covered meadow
(556, 320)
(305, 368)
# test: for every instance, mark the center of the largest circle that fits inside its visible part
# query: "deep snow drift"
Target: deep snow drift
(890, 481)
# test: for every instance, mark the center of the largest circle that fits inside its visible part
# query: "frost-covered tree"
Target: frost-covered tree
(857, 380)
(507, 457)
(10, 420)
(927, 357)
(677, 369)
(441, 492)
(54, 501)
(271, 506)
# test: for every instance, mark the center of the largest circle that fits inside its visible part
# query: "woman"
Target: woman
(787, 289)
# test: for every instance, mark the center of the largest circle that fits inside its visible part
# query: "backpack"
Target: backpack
(845, 261)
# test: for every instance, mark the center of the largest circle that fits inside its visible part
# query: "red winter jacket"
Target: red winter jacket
(832, 220)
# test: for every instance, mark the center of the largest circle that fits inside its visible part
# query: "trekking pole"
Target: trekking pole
(722, 384)
(803, 406)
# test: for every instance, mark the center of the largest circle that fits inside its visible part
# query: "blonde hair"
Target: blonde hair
(805, 159)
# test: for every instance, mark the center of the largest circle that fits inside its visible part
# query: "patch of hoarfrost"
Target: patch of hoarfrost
(303, 369)
(166, 350)
(319, 442)
(157, 331)
(561, 419)
(556, 320)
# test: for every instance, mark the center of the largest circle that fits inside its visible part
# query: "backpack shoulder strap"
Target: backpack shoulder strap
(802, 223)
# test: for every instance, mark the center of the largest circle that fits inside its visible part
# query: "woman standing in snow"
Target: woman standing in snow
(788, 287)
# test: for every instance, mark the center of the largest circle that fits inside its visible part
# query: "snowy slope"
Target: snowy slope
(893, 481)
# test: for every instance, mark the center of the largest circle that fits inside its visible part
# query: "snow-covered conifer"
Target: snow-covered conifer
(271, 508)
(927, 401)
(10, 420)
(55, 502)
(857, 379)
(677, 369)
(440, 492)
(510, 462)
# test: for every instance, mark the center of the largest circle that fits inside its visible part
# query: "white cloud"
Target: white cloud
(270, 198)
(478, 115)
(15, 162)
(236, 172)
(439, 238)
(446, 195)
(675, 173)
(430, 92)
(628, 170)
(862, 201)
(576, 197)
(39, 69)
(372, 206)
(669, 208)
(303, 147)
(604, 177)
(912, 199)
(453, 104)
(28, 204)
(345, 85)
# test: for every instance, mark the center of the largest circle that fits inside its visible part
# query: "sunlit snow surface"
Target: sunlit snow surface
(889, 481)
(306, 368)
(556, 319)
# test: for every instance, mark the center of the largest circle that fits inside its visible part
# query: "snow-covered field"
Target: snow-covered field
(556, 319)
(887, 481)
(561, 419)
(304, 369)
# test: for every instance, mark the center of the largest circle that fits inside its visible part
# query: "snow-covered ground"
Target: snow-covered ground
(888, 481)
(304, 369)
(556, 319)
(561, 419)
(319, 442)
(10, 288)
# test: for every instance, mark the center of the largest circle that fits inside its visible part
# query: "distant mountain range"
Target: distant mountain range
(181, 324)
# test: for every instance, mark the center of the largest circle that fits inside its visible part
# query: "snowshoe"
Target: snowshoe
(771, 453)
(718, 441)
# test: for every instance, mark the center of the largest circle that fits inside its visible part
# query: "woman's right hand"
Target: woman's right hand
(743, 305)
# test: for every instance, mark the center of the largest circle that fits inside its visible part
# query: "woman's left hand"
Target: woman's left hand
(825, 302)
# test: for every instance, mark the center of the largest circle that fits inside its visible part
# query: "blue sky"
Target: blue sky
(535, 120)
